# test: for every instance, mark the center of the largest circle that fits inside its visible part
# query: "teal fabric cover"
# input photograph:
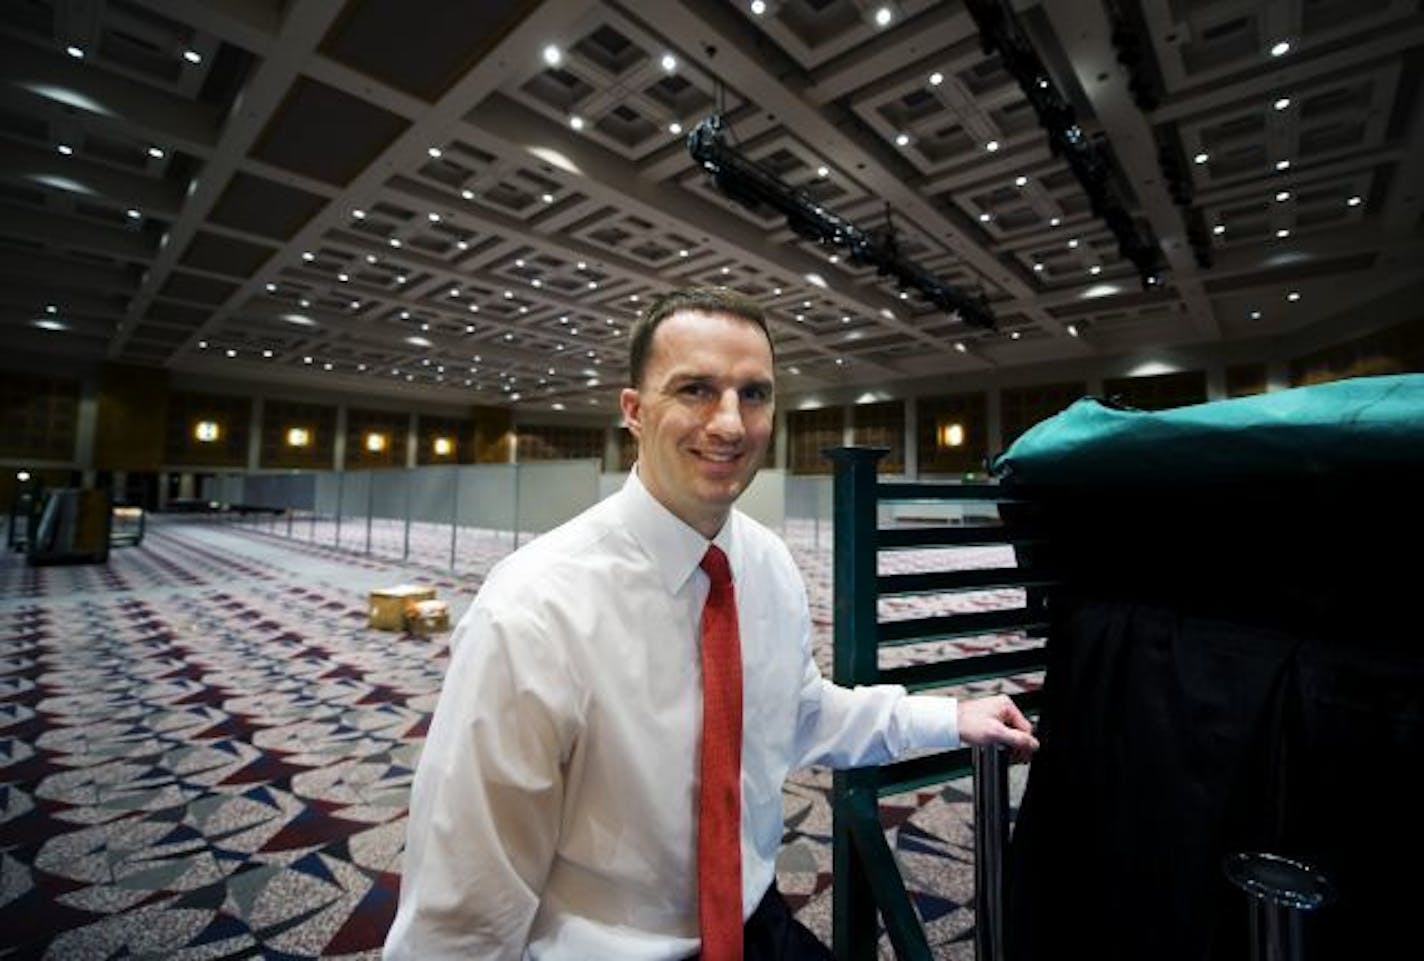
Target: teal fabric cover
(1368, 424)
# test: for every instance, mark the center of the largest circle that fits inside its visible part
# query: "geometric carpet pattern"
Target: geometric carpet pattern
(205, 753)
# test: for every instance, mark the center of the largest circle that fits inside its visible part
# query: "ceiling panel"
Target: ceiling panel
(473, 201)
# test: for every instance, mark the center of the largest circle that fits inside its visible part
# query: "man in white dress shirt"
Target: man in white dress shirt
(553, 813)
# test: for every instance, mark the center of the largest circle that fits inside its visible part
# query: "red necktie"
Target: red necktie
(719, 798)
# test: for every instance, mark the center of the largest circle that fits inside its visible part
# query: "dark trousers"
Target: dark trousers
(772, 934)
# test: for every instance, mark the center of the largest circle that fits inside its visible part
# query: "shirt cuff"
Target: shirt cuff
(931, 722)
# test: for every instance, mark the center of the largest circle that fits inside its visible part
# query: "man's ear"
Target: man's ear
(628, 402)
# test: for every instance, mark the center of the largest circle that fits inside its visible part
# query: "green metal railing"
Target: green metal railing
(867, 879)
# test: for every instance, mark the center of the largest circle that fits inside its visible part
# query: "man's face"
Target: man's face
(703, 416)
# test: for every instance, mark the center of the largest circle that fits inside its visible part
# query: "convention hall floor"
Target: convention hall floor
(206, 753)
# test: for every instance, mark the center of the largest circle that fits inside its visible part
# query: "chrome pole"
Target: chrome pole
(1282, 892)
(991, 838)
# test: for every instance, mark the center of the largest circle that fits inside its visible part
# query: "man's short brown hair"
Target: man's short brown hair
(708, 300)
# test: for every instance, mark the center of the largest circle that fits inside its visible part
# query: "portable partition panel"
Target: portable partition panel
(223, 489)
(867, 878)
(434, 505)
(388, 514)
(808, 510)
(551, 492)
(288, 492)
(764, 500)
(353, 523)
(322, 523)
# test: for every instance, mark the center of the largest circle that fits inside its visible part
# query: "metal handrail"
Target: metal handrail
(867, 877)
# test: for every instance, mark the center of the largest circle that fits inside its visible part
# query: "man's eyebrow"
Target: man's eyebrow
(687, 377)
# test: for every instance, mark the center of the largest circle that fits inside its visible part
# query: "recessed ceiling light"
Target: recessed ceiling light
(1072, 242)
(1219, 229)
(902, 140)
(434, 217)
(959, 346)
(1038, 267)
(1282, 196)
(1072, 330)
(435, 152)
(936, 79)
(1020, 181)
(192, 56)
(308, 256)
(44, 323)
(230, 352)
(576, 122)
(468, 194)
(156, 153)
(1283, 233)
(1282, 103)
(674, 128)
(65, 149)
(1201, 158)
(271, 288)
(1095, 270)
(992, 146)
(1282, 164)
(985, 217)
(1054, 221)
(133, 214)
(1255, 315)
(74, 52)
(1354, 201)
(883, 16)
(823, 171)
(1293, 296)
(1281, 48)
(669, 62)
(553, 56)
(758, 7)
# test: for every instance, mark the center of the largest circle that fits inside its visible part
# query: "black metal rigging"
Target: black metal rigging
(754, 186)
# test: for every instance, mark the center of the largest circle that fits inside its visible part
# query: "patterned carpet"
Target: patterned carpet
(205, 753)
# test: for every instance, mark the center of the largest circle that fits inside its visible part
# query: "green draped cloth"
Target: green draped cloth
(1363, 425)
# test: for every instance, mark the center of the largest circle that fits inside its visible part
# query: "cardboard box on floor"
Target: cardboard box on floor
(388, 605)
(427, 617)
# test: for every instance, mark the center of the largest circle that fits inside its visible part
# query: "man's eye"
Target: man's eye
(696, 390)
(756, 395)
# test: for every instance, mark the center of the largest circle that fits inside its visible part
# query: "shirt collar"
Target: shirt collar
(675, 547)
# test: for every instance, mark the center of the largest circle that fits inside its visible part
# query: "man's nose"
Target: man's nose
(726, 420)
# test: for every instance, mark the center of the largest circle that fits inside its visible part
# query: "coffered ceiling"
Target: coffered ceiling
(470, 201)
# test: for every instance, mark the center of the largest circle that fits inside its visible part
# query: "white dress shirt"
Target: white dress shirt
(553, 809)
